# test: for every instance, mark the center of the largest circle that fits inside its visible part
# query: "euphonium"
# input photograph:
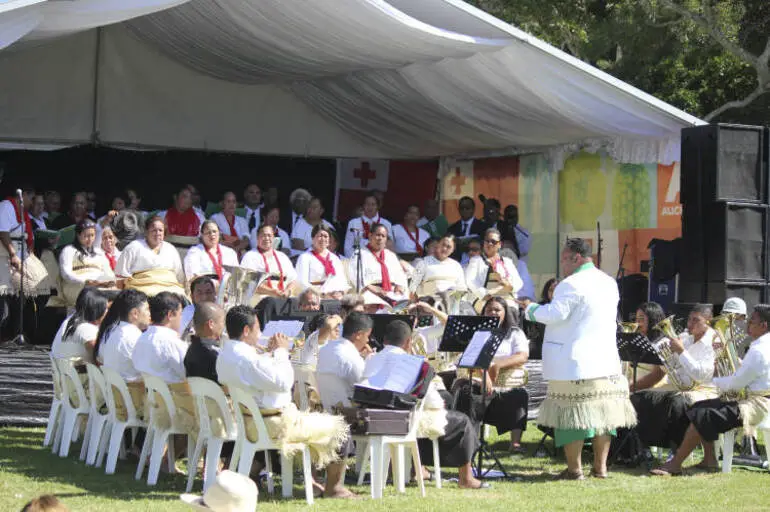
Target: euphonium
(238, 285)
(628, 326)
(662, 347)
(726, 360)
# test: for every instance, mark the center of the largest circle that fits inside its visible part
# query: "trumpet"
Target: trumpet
(670, 362)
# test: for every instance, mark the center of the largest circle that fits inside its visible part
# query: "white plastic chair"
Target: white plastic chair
(728, 444)
(207, 392)
(304, 376)
(116, 384)
(157, 437)
(73, 415)
(97, 421)
(244, 451)
(55, 415)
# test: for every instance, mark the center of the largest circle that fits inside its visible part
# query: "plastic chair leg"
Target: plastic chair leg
(269, 469)
(67, 430)
(87, 435)
(104, 444)
(98, 427)
(146, 447)
(287, 473)
(376, 467)
(308, 476)
(213, 452)
(417, 464)
(192, 463)
(156, 456)
(436, 464)
(727, 451)
(397, 458)
(116, 438)
(53, 420)
(363, 458)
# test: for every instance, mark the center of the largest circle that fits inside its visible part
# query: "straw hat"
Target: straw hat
(230, 492)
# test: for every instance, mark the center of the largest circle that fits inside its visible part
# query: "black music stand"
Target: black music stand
(460, 329)
(633, 348)
(380, 323)
(306, 317)
(482, 362)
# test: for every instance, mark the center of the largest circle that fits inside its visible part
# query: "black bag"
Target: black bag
(376, 421)
(383, 398)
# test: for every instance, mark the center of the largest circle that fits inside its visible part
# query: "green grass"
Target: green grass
(28, 470)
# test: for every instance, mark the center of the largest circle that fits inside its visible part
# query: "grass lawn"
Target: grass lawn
(27, 470)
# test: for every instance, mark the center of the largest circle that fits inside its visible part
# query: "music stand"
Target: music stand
(460, 329)
(306, 317)
(633, 348)
(482, 362)
(380, 323)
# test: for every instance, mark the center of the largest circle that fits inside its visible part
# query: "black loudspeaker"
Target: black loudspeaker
(727, 242)
(723, 162)
(716, 292)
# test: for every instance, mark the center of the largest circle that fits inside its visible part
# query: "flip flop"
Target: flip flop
(569, 475)
(594, 474)
(701, 466)
(661, 471)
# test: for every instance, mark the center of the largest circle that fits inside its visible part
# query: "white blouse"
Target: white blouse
(310, 270)
(357, 226)
(76, 267)
(515, 343)
(476, 276)
(372, 272)
(137, 257)
(696, 363)
(304, 231)
(198, 263)
(241, 225)
(254, 260)
(432, 276)
(280, 236)
(403, 244)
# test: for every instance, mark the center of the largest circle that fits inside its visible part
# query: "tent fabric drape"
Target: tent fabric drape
(344, 78)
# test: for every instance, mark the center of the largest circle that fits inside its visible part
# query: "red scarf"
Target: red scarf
(368, 226)
(499, 262)
(27, 223)
(326, 262)
(385, 285)
(183, 224)
(414, 238)
(231, 223)
(216, 262)
(112, 259)
(267, 269)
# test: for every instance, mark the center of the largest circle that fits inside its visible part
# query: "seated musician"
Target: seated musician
(648, 315)
(209, 256)
(319, 269)
(201, 357)
(202, 289)
(282, 281)
(662, 412)
(434, 275)
(270, 376)
(408, 239)
(490, 275)
(744, 402)
(323, 328)
(455, 432)
(126, 319)
(151, 265)
(381, 272)
(507, 409)
(82, 264)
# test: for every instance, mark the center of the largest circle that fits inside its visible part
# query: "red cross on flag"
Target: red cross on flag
(458, 180)
(358, 174)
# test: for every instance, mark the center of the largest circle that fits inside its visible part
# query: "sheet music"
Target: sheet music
(290, 328)
(474, 349)
(397, 374)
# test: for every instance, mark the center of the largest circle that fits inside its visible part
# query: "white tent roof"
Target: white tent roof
(358, 78)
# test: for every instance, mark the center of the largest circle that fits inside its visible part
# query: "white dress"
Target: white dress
(137, 257)
(432, 276)
(403, 244)
(304, 231)
(281, 240)
(75, 268)
(198, 263)
(310, 270)
(372, 272)
(476, 276)
(254, 260)
(241, 225)
(356, 226)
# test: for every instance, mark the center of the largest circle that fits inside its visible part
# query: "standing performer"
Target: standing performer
(587, 397)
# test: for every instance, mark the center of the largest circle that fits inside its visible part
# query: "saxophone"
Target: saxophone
(667, 356)
(726, 360)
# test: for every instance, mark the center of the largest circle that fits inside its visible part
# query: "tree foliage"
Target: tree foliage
(699, 55)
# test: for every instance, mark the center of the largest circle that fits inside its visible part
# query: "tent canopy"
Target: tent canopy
(331, 78)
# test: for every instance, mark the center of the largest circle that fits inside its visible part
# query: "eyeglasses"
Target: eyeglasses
(492, 242)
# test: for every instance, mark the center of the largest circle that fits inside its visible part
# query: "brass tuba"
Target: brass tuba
(238, 285)
(670, 362)
(726, 360)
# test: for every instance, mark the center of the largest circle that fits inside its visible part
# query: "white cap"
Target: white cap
(734, 305)
(230, 492)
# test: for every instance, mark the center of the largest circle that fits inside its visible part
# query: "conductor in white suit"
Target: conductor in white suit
(587, 397)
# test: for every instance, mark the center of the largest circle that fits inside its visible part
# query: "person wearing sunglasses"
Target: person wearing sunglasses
(492, 275)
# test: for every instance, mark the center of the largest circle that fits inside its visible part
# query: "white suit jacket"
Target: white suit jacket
(581, 325)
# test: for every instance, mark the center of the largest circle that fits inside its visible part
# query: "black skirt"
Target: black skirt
(505, 410)
(456, 446)
(661, 417)
(714, 417)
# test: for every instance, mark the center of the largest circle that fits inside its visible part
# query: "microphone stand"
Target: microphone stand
(619, 278)
(359, 263)
(20, 340)
(599, 243)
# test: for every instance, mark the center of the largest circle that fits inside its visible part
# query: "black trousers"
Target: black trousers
(714, 417)
(661, 417)
(456, 446)
(505, 410)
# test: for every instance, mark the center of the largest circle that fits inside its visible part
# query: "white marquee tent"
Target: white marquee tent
(330, 78)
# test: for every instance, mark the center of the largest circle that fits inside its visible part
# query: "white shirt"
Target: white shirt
(304, 231)
(696, 363)
(254, 260)
(270, 378)
(280, 236)
(159, 352)
(77, 267)
(432, 276)
(116, 350)
(754, 373)
(137, 257)
(74, 346)
(403, 244)
(372, 272)
(515, 343)
(9, 224)
(356, 226)
(240, 223)
(341, 359)
(310, 270)
(187, 315)
(38, 221)
(377, 361)
(580, 333)
(476, 275)
(198, 263)
(257, 216)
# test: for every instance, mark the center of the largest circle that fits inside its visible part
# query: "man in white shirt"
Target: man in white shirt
(364, 225)
(270, 376)
(710, 418)
(202, 289)
(252, 203)
(159, 351)
(344, 358)
(587, 397)
(298, 201)
(37, 210)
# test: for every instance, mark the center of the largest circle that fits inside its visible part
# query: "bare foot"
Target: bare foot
(342, 493)
(318, 489)
(472, 483)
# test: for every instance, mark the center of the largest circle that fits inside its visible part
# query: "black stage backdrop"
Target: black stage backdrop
(156, 175)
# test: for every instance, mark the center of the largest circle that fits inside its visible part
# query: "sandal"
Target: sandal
(594, 474)
(664, 471)
(702, 466)
(569, 475)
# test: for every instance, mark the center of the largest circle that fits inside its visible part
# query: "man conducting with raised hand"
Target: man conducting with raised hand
(587, 396)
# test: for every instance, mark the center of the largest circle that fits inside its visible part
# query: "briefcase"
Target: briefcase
(383, 398)
(365, 422)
